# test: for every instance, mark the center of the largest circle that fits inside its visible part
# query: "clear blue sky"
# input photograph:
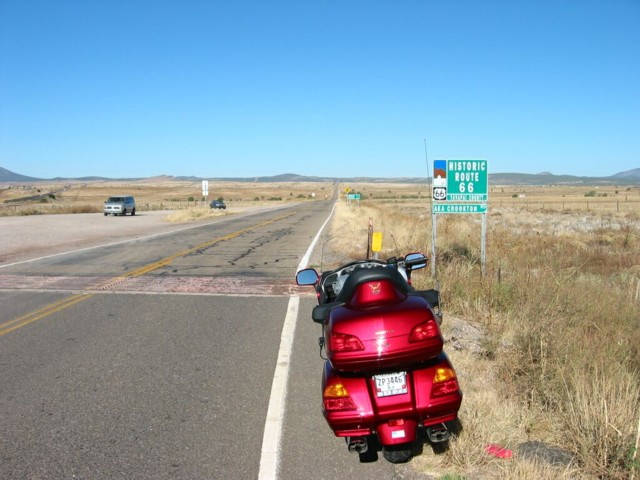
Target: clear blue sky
(343, 88)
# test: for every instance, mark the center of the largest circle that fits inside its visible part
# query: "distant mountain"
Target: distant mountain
(80, 179)
(9, 176)
(550, 179)
(629, 177)
(635, 173)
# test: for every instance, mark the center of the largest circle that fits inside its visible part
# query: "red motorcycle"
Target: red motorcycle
(387, 383)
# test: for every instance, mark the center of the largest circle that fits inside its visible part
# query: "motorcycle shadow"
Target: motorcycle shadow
(455, 429)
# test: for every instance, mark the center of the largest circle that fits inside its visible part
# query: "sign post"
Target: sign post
(205, 189)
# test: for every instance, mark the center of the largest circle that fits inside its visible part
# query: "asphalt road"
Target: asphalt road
(154, 358)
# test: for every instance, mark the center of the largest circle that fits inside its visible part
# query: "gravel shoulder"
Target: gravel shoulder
(27, 237)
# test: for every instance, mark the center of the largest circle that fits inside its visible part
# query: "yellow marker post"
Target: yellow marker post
(376, 242)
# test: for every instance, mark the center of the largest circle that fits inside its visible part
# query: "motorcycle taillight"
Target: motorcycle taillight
(444, 388)
(424, 331)
(337, 398)
(337, 404)
(444, 382)
(341, 342)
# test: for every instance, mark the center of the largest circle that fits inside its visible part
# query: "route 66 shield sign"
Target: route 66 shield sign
(440, 193)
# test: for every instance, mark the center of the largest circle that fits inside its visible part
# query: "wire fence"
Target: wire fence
(570, 205)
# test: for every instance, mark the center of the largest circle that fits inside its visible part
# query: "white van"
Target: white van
(119, 205)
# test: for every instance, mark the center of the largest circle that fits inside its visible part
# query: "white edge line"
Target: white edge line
(270, 454)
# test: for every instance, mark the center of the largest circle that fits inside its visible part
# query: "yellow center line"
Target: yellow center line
(167, 260)
(47, 310)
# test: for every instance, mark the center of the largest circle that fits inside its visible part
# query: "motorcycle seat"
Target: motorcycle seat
(360, 277)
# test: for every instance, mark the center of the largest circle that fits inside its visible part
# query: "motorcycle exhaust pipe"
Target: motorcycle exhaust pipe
(438, 434)
(357, 445)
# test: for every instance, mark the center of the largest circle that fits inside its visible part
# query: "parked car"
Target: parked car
(218, 204)
(119, 205)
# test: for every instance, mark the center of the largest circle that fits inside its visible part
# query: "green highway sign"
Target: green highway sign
(467, 180)
(459, 208)
(460, 180)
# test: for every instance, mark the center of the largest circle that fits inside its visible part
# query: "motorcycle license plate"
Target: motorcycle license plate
(391, 384)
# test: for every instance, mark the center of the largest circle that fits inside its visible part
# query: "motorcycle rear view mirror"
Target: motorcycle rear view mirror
(308, 276)
(414, 261)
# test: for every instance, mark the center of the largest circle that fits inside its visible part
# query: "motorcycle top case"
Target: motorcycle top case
(377, 324)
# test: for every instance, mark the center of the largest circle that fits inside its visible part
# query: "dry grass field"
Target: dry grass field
(152, 194)
(557, 311)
